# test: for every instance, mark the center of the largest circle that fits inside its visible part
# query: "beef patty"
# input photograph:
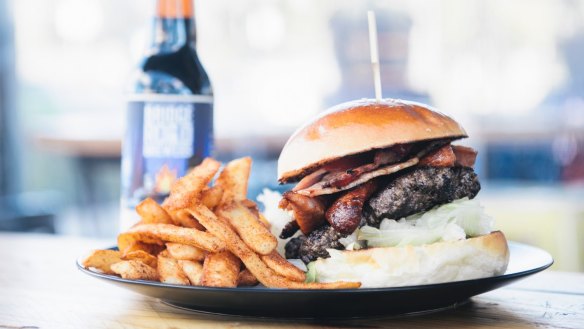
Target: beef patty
(407, 193)
(419, 190)
(314, 245)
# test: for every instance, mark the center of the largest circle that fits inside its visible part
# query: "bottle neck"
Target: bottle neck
(174, 25)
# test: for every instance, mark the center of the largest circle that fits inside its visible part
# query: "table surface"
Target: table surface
(40, 287)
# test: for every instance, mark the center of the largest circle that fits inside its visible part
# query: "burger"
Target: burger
(384, 197)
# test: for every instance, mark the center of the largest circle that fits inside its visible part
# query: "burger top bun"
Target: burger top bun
(359, 126)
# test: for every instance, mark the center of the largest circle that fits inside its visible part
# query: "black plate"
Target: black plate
(525, 260)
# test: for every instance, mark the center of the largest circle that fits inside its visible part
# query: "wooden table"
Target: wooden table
(40, 287)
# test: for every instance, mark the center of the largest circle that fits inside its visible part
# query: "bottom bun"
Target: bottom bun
(473, 258)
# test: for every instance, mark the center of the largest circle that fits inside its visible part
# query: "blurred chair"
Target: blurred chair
(95, 162)
(28, 212)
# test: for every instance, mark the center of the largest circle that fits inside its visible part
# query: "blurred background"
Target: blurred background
(512, 72)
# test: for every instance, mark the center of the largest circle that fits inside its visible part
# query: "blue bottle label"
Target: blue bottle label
(169, 131)
(166, 135)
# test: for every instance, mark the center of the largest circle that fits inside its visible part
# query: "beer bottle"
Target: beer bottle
(169, 111)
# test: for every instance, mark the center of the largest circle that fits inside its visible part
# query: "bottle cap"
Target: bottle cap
(174, 8)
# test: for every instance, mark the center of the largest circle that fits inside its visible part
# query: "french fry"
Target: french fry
(233, 180)
(170, 272)
(220, 270)
(184, 219)
(135, 270)
(264, 221)
(211, 197)
(252, 261)
(185, 252)
(128, 242)
(152, 213)
(151, 248)
(193, 271)
(282, 267)
(252, 206)
(249, 228)
(246, 279)
(187, 190)
(142, 256)
(103, 260)
(171, 233)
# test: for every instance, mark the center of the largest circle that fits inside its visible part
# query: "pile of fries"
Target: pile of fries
(204, 235)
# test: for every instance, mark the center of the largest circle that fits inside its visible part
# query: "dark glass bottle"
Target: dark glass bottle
(169, 125)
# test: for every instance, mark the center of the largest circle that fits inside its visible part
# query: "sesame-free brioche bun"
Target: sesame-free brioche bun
(360, 126)
(474, 258)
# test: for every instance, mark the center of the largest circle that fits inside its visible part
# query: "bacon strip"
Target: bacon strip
(344, 214)
(465, 156)
(339, 179)
(308, 212)
(323, 187)
(340, 173)
(310, 179)
(289, 229)
(442, 157)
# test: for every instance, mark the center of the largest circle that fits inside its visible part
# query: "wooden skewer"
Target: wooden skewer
(374, 54)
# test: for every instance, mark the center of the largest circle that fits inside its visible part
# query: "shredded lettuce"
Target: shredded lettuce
(311, 273)
(453, 221)
(350, 242)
